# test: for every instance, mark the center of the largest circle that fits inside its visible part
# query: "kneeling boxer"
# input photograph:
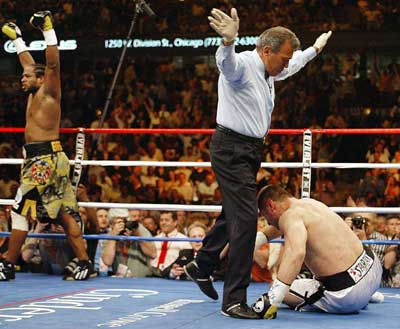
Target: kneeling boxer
(346, 274)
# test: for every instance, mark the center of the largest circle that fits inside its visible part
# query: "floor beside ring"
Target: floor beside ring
(37, 301)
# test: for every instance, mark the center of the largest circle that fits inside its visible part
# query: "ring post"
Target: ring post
(79, 153)
(306, 174)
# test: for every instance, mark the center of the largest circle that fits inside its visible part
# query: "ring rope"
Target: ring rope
(306, 165)
(139, 238)
(342, 131)
(207, 208)
(126, 163)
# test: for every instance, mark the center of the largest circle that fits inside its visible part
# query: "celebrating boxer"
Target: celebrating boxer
(45, 191)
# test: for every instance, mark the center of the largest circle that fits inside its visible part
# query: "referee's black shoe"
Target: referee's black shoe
(240, 311)
(204, 281)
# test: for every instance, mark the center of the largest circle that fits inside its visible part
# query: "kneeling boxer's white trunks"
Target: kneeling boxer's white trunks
(345, 292)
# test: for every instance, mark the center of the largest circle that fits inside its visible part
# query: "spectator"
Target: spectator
(392, 192)
(102, 220)
(392, 226)
(151, 224)
(189, 155)
(259, 270)
(372, 187)
(175, 197)
(113, 193)
(199, 217)
(4, 220)
(175, 271)
(103, 223)
(325, 189)
(128, 258)
(380, 226)
(391, 270)
(135, 214)
(391, 267)
(199, 174)
(380, 154)
(53, 255)
(6, 184)
(182, 220)
(207, 188)
(3, 228)
(95, 124)
(168, 251)
(185, 188)
(363, 225)
(149, 178)
(275, 153)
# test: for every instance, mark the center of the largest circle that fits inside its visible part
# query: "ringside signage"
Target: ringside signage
(36, 45)
(89, 301)
(178, 42)
(173, 43)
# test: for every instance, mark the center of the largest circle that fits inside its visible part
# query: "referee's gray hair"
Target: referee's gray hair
(275, 37)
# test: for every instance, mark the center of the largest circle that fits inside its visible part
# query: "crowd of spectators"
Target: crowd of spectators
(140, 258)
(351, 90)
(337, 91)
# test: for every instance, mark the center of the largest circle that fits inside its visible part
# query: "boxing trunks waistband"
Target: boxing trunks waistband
(35, 149)
(244, 138)
(352, 275)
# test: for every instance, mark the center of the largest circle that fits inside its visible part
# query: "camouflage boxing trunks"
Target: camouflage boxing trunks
(45, 187)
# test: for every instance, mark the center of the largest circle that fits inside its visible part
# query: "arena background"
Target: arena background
(168, 80)
(357, 84)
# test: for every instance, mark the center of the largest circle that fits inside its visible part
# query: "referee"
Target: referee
(246, 100)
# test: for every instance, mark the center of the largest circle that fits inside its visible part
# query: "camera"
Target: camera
(358, 222)
(182, 261)
(131, 225)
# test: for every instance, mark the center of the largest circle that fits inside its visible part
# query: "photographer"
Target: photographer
(363, 225)
(358, 225)
(48, 256)
(128, 258)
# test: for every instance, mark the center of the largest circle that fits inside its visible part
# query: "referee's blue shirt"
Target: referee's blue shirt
(245, 97)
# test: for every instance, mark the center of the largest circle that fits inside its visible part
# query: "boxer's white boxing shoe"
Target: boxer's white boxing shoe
(377, 297)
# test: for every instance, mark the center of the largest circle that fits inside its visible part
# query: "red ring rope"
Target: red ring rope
(345, 131)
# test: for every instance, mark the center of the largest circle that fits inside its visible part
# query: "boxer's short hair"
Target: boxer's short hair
(272, 192)
(39, 69)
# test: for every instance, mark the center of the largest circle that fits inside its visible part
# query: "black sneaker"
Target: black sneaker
(204, 281)
(240, 311)
(83, 270)
(7, 270)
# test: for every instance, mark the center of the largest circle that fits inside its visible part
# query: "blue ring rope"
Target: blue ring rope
(140, 238)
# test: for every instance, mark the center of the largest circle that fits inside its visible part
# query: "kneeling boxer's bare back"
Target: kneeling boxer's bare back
(318, 237)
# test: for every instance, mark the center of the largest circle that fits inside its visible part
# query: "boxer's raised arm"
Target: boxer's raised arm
(52, 82)
(13, 32)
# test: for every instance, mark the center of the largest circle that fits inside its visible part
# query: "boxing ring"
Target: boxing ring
(38, 300)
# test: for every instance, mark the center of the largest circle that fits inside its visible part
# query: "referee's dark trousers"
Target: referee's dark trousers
(235, 159)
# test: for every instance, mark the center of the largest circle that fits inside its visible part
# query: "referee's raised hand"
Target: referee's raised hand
(226, 26)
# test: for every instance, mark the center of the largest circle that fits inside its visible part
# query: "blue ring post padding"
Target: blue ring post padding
(140, 238)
